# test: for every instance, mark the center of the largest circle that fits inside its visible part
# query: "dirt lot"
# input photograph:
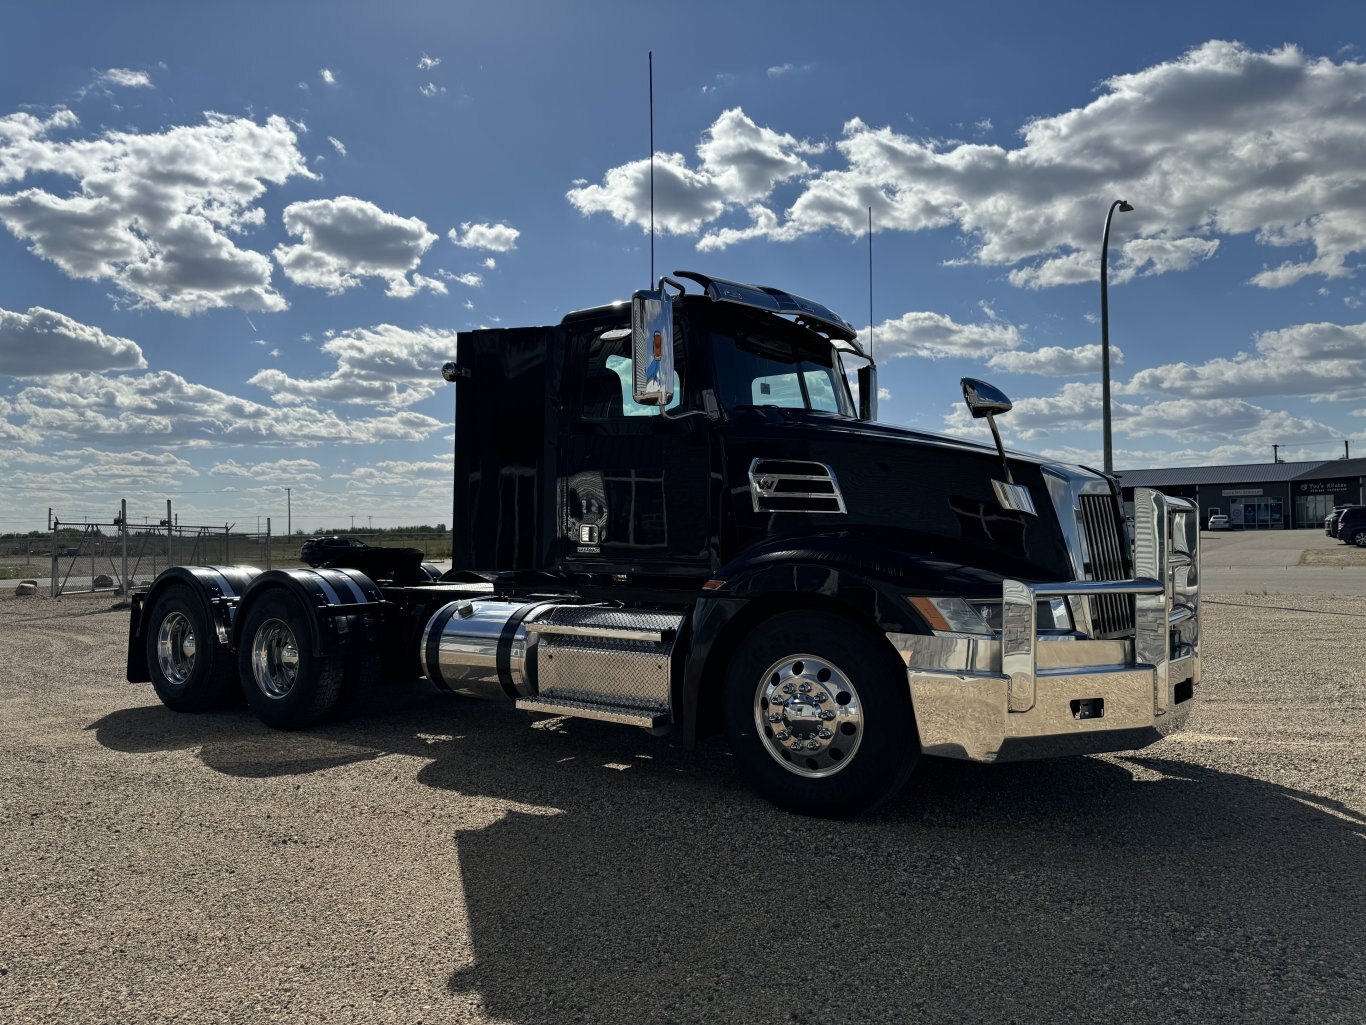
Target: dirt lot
(444, 861)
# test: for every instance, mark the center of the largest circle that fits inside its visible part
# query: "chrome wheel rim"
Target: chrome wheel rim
(808, 715)
(176, 648)
(275, 658)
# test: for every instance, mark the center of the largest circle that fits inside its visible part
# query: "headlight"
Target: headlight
(1052, 614)
(982, 616)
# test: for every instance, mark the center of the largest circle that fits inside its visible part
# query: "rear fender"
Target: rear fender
(347, 606)
(218, 589)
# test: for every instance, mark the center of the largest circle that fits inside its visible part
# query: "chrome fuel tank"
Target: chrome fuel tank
(479, 648)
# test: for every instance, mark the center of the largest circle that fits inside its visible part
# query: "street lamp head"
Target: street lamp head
(1124, 206)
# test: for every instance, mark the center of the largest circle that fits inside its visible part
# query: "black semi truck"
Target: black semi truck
(674, 514)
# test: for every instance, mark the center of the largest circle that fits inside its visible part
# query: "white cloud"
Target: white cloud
(1230, 429)
(152, 213)
(784, 70)
(499, 238)
(401, 473)
(1221, 141)
(385, 366)
(470, 279)
(431, 89)
(740, 163)
(326, 75)
(346, 239)
(43, 343)
(490, 263)
(426, 63)
(337, 145)
(1142, 257)
(126, 78)
(164, 409)
(1056, 361)
(1320, 361)
(278, 471)
(934, 335)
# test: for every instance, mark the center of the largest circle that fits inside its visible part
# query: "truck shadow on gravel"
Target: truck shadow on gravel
(1145, 889)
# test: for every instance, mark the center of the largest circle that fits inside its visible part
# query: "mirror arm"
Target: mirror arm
(1001, 449)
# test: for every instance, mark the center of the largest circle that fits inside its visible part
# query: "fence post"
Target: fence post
(267, 542)
(123, 534)
(54, 558)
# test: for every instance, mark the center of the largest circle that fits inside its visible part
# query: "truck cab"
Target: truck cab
(674, 513)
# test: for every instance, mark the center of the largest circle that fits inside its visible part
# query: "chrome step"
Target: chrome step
(613, 633)
(646, 718)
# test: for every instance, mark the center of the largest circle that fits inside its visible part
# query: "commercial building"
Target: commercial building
(1259, 496)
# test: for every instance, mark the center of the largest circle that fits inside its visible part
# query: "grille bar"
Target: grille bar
(1111, 614)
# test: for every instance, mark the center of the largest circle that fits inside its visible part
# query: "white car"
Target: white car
(1217, 522)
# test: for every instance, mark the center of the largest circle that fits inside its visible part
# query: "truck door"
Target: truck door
(635, 486)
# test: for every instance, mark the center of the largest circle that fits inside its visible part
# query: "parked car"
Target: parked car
(1330, 525)
(1217, 522)
(1351, 527)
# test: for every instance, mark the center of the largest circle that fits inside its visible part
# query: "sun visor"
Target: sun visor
(775, 300)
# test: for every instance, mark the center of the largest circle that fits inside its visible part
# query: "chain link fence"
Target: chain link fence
(116, 557)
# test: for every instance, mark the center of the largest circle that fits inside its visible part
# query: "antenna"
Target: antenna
(652, 169)
(870, 282)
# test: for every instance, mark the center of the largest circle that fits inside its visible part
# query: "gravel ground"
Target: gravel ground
(443, 861)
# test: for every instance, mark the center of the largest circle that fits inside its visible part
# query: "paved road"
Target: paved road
(443, 860)
(1268, 561)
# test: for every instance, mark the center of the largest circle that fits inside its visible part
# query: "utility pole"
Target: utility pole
(1275, 453)
(1346, 449)
(289, 513)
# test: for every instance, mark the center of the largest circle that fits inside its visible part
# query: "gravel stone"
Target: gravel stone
(445, 860)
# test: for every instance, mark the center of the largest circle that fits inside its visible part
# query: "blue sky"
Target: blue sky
(238, 241)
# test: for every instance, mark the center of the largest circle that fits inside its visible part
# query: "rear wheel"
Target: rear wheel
(1359, 539)
(189, 671)
(819, 716)
(286, 684)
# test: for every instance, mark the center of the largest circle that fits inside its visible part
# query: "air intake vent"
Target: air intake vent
(787, 485)
(1108, 559)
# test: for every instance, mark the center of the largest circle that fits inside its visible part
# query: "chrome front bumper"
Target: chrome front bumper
(1020, 694)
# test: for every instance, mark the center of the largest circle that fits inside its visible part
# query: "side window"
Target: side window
(607, 383)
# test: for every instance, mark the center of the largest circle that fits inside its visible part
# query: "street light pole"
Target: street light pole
(1123, 207)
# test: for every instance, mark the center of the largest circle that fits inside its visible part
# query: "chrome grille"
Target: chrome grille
(1107, 559)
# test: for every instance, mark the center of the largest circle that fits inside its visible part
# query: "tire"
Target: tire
(360, 680)
(844, 699)
(285, 683)
(1359, 539)
(190, 671)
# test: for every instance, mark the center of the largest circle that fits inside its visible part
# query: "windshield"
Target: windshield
(768, 362)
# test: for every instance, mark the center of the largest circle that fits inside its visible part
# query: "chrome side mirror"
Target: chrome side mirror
(867, 392)
(652, 348)
(984, 399)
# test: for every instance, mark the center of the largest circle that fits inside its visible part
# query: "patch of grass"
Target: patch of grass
(1337, 556)
(23, 571)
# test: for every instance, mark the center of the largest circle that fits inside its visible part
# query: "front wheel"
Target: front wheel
(286, 684)
(819, 716)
